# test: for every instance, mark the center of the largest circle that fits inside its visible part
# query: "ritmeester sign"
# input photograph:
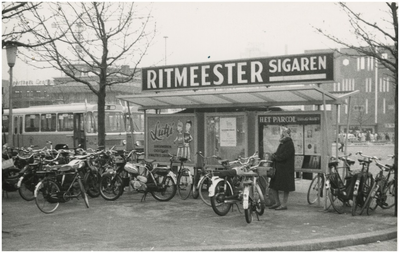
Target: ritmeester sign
(239, 73)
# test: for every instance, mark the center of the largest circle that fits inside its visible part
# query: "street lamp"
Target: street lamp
(165, 51)
(11, 57)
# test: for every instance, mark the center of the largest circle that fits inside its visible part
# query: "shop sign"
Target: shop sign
(238, 73)
(289, 119)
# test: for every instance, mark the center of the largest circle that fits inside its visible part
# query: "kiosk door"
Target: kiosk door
(79, 130)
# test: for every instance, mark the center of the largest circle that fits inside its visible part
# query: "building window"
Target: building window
(366, 106)
(384, 55)
(346, 107)
(380, 84)
(384, 105)
(362, 63)
(368, 85)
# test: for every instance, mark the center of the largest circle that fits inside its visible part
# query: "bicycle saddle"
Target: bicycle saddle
(226, 173)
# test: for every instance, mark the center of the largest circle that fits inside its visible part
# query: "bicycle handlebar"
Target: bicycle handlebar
(368, 157)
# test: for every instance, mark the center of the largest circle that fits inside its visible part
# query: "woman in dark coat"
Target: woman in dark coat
(284, 163)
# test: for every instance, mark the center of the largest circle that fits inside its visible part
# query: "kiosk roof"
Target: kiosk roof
(244, 97)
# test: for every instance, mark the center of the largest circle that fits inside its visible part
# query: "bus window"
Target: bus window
(32, 123)
(114, 122)
(48, 122)
(65, 122)
(91, 125)
(4, 122)
(138, 122)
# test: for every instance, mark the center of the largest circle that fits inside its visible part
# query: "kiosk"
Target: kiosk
(233, 109)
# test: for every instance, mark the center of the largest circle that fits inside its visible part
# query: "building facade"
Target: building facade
(373, 107)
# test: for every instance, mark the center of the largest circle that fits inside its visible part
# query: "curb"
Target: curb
(309, 245)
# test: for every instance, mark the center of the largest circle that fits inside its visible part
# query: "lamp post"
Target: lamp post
(11, 57)
(165, 51)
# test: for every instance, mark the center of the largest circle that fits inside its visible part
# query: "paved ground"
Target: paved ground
(128, 224)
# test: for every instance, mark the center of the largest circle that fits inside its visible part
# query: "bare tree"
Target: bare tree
(100, 38)
(17, 28)
(376, 37)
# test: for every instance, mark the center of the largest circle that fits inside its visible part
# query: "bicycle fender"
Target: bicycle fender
(246, 197)
(173, 176)
(356, 186)
(214, 182)
(36, 188)
(327, 184)
(20, 182)
(198, 183)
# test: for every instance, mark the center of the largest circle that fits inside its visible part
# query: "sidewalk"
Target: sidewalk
(186, 225)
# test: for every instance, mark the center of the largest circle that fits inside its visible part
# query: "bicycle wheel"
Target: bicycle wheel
(185, 182)
(336, 203)
(370, 203)
(83, 193)
(248, 197)
(168, 188)
(389, 195)
(315, 190)
(27, 188)
(359, 199)
(218, 203)
(204, 184)
(263, 183)
(47, 193)
(92, 183)
(111, 187)
(195, 191)
(260, 201)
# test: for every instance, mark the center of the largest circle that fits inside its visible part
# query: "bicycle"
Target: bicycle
(141, 175)
(316, 188)
(205, 181)
(60, 185)
(383, 190)
(238, 185)
(363, 183)
(184, 176)
(30, 173)
(340, 193)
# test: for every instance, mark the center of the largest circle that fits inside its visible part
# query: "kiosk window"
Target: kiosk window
(226, 136)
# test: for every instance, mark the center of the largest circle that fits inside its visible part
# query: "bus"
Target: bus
(134, 125)
(70, 124)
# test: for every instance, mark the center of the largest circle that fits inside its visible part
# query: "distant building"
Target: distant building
(63, 90)
(373, 108)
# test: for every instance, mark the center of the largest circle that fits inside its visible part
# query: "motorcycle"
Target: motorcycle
(143, 176)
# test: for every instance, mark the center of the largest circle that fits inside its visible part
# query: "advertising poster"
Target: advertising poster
(171, 134)
(271, 136)
(312, 138)
(297, 137)
(228, 132)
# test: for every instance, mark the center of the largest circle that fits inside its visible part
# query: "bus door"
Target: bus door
(17, 133)
(79, 130)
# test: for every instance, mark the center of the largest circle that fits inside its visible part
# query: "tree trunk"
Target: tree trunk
(101, 102)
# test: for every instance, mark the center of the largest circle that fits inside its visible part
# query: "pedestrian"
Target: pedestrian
(341, 141)
(283, 160)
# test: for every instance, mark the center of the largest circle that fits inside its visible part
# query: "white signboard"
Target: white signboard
(228, 132)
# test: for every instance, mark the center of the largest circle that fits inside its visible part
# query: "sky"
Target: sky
(217, 31)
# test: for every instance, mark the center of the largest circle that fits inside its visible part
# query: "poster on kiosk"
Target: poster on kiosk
(307, 133)
(174, 134)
